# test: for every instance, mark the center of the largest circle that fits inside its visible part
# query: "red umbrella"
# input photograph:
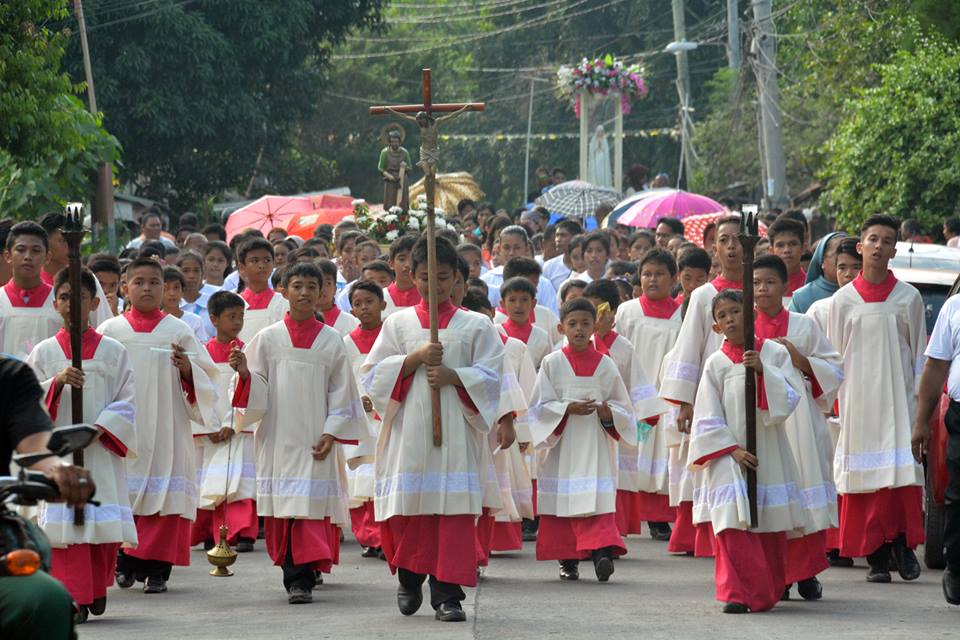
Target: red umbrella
(305, 224)
(693, 226)
(647, 212)
(266, 213)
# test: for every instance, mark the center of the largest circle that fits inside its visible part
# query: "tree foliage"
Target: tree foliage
(896, 153)
(50, 145)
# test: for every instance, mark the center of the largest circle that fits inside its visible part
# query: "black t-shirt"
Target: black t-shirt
(20, 412)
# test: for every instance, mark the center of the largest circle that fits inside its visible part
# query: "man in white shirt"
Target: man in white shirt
(514, 243)
(150, 227)
(558, 269)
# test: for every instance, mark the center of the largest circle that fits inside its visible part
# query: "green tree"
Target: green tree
(896, 152)
(50, 145)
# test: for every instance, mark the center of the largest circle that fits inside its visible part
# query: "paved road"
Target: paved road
(651, 595)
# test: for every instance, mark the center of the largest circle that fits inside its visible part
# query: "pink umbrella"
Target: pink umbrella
(694, 226)
(647, 212)
(266, 213)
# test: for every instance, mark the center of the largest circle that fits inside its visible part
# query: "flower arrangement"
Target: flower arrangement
(385, 227)
(602, 76)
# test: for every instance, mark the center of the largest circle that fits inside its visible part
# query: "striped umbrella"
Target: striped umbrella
(647, 212)
(577, 199)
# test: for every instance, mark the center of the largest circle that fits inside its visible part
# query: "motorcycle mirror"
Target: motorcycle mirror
(66, 440)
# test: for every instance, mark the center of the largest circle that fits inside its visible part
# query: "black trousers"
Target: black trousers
(296, 575)
(440, 592)
(143, 569)
(951, 534)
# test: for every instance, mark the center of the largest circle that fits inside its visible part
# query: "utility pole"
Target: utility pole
(526, 161)
(103, 200)
(733, 34)
(679, 48)
(764, 52)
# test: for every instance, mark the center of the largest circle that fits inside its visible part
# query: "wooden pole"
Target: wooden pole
(748, 239)
(73, 234)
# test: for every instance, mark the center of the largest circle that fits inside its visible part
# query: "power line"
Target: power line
(470, 15)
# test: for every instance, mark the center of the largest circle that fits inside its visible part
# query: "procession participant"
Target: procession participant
(787, 238)
(559, 268)
(514, 243)
(637, 501)
(264, 305)
(580, 409)
(217, 262)
(517, 296)
(822, 277)
(403, 292)
(27, 315)
(428, 526)
(175, 384)
(693, 267)
(333, 317)
(195, 295)
(540, 315)
(301, 397)
(596, 254)
(172, 299)
(367, 306)
(106, 269)
(474, 257)
(877, 324)
(84, 557)
(749, 568)
(228, 461)
(806, 429)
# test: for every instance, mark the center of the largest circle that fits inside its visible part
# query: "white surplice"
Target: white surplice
(361, 482)
(414, 477)
(542, 317)
(513, 478)
(255, 320)
(696, 340)
(23, 328)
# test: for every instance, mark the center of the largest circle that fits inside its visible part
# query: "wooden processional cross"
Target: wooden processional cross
(429, 148)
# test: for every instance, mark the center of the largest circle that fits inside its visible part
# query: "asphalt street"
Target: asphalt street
(651, 595)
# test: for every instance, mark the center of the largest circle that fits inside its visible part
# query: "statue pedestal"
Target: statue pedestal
(595, 157)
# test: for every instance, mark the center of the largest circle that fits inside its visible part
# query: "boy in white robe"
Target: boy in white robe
(228, 468)
(559, 268)
(540, 315)
(402, 292)
(172, 297)
(579, 412)
(514, 242)
(787, 242)
(518, 300)
(819, 363)
(749, 567)
(638, 477)
(175, 384)
(333, 317)
(84, 557)
(367, 306)
(877, 323)
(27, 316)
(264, 305)
(302, 391)
(428, 497)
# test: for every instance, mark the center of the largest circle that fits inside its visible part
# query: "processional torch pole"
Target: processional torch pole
(73, 234)
(749, 237)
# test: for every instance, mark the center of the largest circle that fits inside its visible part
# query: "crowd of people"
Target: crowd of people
(584, 383)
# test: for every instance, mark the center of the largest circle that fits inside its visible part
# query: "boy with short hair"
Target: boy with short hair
(429, 527)
(787, 238)
(173, 296)
(819, 366)
(402, 292)
(84, 557)
(342, 323)
(749, 568)
(580, 409)
(227, 452)
(513, 242)
(571, 290)
(175, 387)
(693, 266)
(106, 269)
(264, 305)
(559, 268)
(517, 296)
(301, 394)
(540, 315)
(878, 324)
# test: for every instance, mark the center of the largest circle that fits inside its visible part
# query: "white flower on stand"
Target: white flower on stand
(390, 217)
(395, 210)
(392, 235)
(413, 223)
(358, 202)
(422, 200)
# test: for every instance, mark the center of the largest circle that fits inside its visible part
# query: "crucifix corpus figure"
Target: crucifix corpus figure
(429, 159)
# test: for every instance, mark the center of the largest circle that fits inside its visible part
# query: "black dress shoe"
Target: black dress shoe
(450, 612)
(834, 559)
(569, 570)
(951, 585)
(810, 589)
(528, 530)
(879, 562)
(660, 531)
(369, 552)
(154, 584)
(409, 599)
(907, 564)
(244, 545)
(735, 607)
(125, 580)
(80, 615)
(603, 567)
(299, 595)
(98, 606)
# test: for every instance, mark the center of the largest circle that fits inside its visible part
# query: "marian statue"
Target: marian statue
(601, 169)
(394, 167)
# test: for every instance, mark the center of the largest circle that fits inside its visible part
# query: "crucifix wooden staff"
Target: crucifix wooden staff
(749, 237)
(73, 234)
(429, 159)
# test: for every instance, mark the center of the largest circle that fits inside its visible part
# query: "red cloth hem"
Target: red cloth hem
(575, 538)
(163, 538)
(507, 536)
(241, 521)
(313, 542)
(112, 443)
(86, 570)
(749, 568)
(868, 520)
(364, 525)
(806, 557)
(637, 507)
(683, 536)
(443, 546)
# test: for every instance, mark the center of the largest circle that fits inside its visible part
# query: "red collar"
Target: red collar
(796, 281)
(46, 278)
(874, 292)
(769, 327)
(304, 332)
(584, 363)
(220, 351)
(664, 308)
(330, 315)
(722, 284)
(404, 298)
(445, 312)
(603, 344)
(89, 342)
(364, 338)
(257, 301)
(144, 322)
(679, 299)
(519, 331)
(27, 298)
